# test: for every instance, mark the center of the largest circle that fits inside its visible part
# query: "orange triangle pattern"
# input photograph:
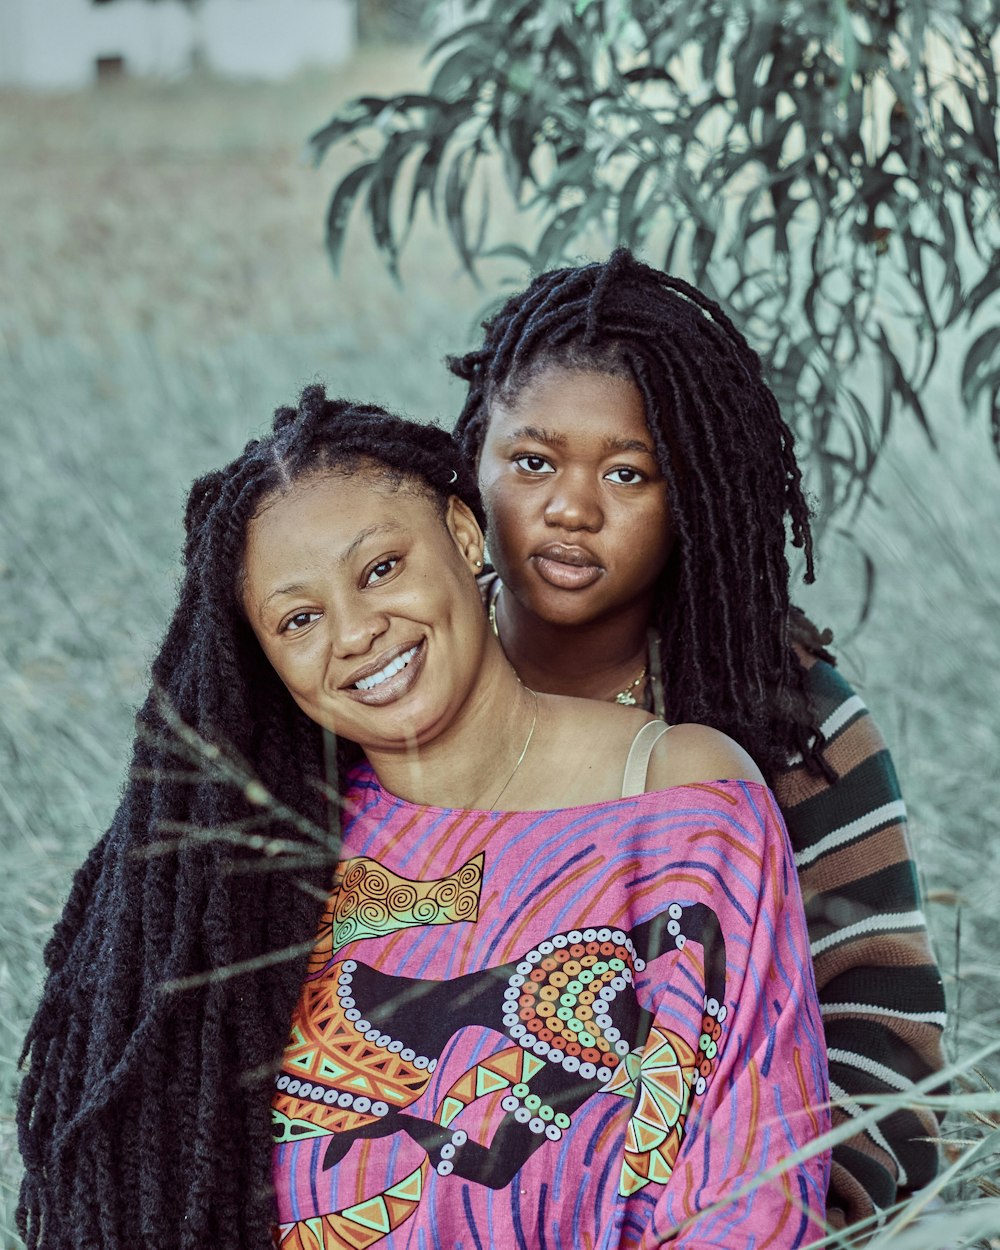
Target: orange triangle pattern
(507, 1063)
(372, 1213)
(500, 1071)
(410, 1188)
(532, 1064)
(464, 1088)
(623, 1078)
(326, 1046)
(488, 1082)
(450, 1108)
(663, 1085)
(631, 1182)
(359, 1226)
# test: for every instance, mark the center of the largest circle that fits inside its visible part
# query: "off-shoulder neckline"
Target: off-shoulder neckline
(366, 774)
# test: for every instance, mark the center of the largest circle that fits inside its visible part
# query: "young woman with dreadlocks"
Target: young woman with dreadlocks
(593, 388)
(520, 974)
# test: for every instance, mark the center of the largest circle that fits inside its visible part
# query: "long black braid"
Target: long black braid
(722, 608)
(144, 1113)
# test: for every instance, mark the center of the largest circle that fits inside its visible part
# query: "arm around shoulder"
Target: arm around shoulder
(689, 754)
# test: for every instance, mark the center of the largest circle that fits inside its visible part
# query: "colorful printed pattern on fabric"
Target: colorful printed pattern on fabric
(619, 994)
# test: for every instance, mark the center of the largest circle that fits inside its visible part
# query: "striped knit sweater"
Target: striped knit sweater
(880, 990)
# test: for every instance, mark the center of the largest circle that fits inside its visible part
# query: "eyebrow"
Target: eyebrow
(536, 434)
(297, 588)
(611, 444)
(627, 444)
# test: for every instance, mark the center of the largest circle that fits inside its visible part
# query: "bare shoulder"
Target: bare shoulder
(692, 753)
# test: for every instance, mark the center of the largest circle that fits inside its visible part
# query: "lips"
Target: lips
(567, 567)
(389, 676)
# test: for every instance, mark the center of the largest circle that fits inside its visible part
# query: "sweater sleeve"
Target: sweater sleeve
(768, 1096)
(880, 990)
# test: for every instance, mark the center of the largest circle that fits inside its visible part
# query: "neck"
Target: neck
(595, 660)
(469, 763)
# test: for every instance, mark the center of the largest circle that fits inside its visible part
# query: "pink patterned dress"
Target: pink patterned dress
(564, 1030)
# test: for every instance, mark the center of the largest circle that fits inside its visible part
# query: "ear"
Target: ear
(464, 529)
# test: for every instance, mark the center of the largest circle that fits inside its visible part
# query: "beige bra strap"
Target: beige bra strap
(637, 764)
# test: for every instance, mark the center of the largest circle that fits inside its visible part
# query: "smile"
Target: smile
(399, 673)
(390, 670)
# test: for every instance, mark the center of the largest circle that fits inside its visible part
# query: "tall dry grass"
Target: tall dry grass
(165, 288)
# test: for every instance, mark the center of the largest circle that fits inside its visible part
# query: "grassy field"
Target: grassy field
(165, 288)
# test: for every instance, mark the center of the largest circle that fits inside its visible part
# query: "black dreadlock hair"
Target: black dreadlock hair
(722, 609)
(143, 1117)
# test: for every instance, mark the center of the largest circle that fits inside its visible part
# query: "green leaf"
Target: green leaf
(628, 207)
(335, 129)
(380, 192)
(981, 365)
(988, 285)
(902, 387)
(340, 208)
(511, 251)
(455, 190)
(457, 73)
(486, 32)
(568, 225)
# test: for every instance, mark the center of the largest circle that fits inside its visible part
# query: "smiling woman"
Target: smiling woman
(433, 1025)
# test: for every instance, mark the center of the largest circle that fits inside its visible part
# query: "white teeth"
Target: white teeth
(390, 670)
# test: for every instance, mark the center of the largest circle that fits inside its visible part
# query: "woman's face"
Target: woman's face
(576, 505)
(364, 600)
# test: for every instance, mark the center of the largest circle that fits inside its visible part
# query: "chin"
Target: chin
(568, 608)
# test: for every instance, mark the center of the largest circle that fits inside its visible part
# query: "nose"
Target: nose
(574, 503)
(354, 626)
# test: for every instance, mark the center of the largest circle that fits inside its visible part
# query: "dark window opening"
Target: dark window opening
(110, 66)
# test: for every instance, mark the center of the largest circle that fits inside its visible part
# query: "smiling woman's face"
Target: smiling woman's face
(363, 599)
(577, 507)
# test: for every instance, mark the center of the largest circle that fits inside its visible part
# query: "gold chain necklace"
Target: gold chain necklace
(520, 758)
(625, 697)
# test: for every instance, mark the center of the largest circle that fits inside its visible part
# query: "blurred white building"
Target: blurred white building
(65, 44)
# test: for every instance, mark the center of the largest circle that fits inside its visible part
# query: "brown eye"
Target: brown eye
(625, 476)
(299, 621)
(533, 464)
(381, 570)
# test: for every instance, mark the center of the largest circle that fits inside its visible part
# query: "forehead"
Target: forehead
(321, 515)
(575, 403)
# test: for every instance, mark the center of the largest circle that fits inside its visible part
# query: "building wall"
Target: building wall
(274, 38)
(55, 44)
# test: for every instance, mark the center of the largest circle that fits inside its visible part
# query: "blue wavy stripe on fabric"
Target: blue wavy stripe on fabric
(470, 1217)
(293, 1156)
(524, 903)
(729, 862)
(542, 1195)
(602, 1189)
(518, 1219)
(696, 818)
(731, 1127)
(554, 927)
(720, 881)
(790, 1138)
(577, 1208)
(551, 848)
(765, 1066)
(800, 1232)
(319, 1148)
